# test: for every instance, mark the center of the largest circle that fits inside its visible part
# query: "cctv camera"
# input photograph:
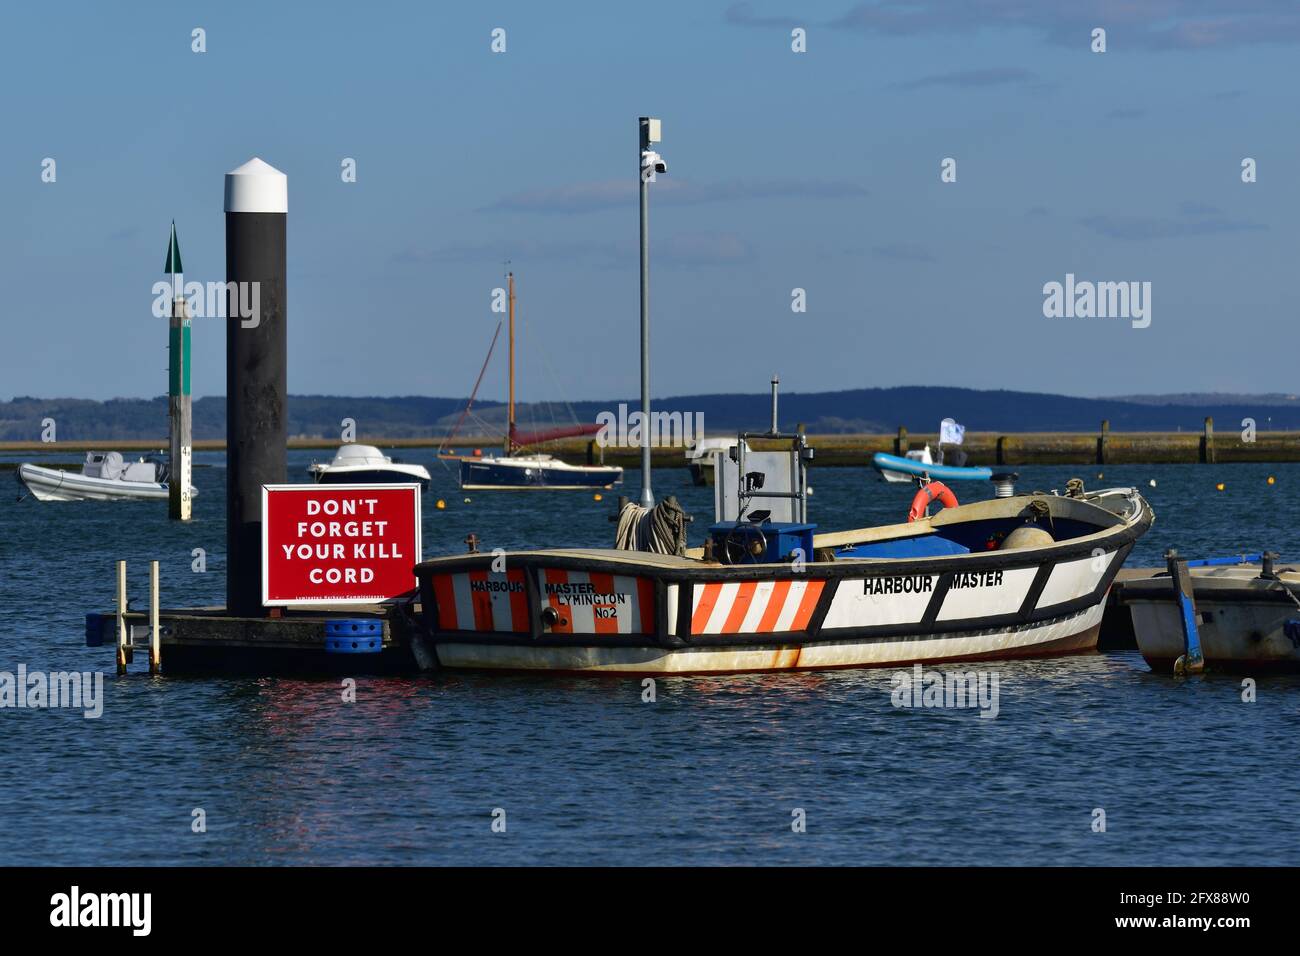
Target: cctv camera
(652, 163)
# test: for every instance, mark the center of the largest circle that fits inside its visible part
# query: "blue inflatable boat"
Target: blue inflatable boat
(885, 462)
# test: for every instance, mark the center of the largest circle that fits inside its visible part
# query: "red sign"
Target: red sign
(339, 544)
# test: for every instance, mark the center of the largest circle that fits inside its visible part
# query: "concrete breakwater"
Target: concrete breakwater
(982, 448)
(1009, 450)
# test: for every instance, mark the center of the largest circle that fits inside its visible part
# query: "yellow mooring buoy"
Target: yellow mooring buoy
(1219, 486)
(596, 497)
(1271, 480)
(440, 504)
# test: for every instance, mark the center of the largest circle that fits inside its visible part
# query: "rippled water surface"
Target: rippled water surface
(584, 770)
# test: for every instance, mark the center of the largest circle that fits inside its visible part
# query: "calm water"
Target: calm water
(588, 773)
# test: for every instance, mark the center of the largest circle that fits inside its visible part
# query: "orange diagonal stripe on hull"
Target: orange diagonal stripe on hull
(481, 602)
(564, 623)
(445, 596)
(603, 584)
(708, 598)
(775, 605)
(518, 603)
(645, 589)
(806, 607)
(739, 607)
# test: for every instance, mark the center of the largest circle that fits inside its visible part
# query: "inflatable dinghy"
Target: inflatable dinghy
(883, 463)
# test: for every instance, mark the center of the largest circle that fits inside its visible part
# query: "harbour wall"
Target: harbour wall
(982, 448)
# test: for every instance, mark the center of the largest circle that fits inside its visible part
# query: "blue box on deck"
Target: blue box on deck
(780, 539)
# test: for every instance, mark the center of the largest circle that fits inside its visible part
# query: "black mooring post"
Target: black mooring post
(257, 208)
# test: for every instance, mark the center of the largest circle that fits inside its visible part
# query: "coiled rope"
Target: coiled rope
(659, 530)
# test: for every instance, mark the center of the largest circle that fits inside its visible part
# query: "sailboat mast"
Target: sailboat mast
(510, 402)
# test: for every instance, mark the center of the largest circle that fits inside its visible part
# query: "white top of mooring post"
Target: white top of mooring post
(257, 187)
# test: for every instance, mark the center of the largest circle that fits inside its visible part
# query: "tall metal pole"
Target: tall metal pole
(776, 381)
(510, 403)
(647, 496)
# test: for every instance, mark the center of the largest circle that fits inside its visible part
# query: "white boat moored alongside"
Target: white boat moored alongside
(1246, 616)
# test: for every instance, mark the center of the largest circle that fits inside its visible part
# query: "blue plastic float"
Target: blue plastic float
(354, 635)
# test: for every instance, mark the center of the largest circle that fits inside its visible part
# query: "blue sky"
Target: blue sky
(817, 170)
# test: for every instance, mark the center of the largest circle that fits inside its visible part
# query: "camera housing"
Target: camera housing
(652, 164)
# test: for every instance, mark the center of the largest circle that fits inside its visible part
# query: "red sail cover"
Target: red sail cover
(536, 438)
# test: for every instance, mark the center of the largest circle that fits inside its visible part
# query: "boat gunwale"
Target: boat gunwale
(682, 569)
(1151, 591)
(681, 636)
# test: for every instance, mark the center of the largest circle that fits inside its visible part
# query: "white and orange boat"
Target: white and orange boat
(1015, 576)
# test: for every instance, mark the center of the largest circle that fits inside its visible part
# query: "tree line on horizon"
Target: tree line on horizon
(873, 410)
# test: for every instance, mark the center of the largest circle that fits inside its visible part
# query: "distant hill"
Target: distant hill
(143, 418)
(919, 408)
(1212, 398)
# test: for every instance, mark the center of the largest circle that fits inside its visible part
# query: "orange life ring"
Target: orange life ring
(928, 493)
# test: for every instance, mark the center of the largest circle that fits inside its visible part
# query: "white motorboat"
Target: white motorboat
(699, 457)
(368, 465)
(105, 476)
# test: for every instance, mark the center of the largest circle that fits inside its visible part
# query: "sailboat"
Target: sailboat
(516, 469)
